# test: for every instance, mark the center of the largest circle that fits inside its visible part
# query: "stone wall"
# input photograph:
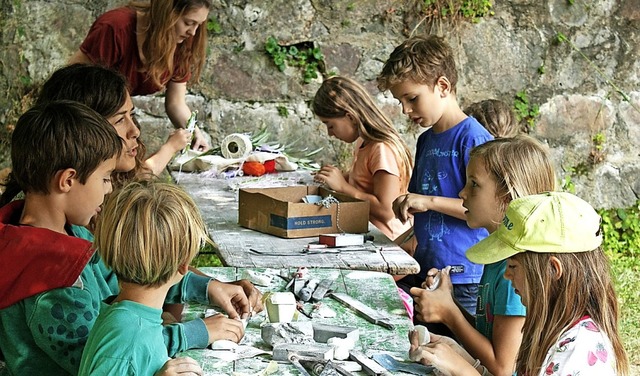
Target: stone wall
(586, 87)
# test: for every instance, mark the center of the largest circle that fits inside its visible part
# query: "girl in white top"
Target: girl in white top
(554, 260)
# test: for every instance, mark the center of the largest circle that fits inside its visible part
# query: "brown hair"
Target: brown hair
(147, 230)
(520, 166)
(54, 136)
(339, 96)
(555, 304)
(421, 59)
(496, 116)
(160, 46)
(102, 89)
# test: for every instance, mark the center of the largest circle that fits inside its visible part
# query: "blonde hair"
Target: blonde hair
(496, 116)
(520, 166)
(420, 59)
(339, 96)
(147, 230)
(556, 304)
(160, 47)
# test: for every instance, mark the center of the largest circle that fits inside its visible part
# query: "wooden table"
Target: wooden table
(375, 289)
(218, 201)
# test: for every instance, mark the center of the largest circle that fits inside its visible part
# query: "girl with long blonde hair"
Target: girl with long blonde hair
(552, 245)
(382, 161)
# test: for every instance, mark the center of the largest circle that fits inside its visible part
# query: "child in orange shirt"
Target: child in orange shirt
(382, 162)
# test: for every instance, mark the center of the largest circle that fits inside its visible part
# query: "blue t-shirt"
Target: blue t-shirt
(440, 170)
(496, 296)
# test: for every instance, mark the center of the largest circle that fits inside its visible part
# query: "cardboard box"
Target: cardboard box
(281, 212)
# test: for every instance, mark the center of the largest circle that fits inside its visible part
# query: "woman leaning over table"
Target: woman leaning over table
(156, 45)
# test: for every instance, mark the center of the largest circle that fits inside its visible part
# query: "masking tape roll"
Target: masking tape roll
(235, 146)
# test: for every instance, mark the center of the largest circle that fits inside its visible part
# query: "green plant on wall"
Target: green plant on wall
(580, 169)
(283, 112)
(566, 183)
(597, 151)
(213, 25)
(435, 13)
(525, 110)
(471, 10)
(621, 231)
(307, 59)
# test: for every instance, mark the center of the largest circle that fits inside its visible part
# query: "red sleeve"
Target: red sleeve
(104, 42)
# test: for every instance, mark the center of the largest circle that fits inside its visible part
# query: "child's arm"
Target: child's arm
(237, 298)
(444, 354)
(438, 306)
(406, 205)
(178, 140)
(65, 339)
(386, 188)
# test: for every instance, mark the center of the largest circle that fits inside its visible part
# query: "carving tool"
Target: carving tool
(191, 127)
(394, 365)
(369, 366)
(364, 310)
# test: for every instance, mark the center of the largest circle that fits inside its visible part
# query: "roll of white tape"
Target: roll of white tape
(236, 145)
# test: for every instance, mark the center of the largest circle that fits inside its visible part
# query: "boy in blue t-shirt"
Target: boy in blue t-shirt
(421, 74)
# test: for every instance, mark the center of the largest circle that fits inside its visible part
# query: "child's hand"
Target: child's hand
(435, 277)
(253, 294)
(332, 177)
(221, 327)
(435, 306)
(440, 355)
(231, 298)
(406, 205)
(179, 139)
(182, 366)
(455, 346)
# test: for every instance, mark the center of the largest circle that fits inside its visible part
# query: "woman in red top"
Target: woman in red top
(156, 45)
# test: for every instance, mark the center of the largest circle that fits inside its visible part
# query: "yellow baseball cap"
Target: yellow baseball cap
(551, 222)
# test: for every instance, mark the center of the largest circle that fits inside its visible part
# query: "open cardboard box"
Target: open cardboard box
(281, 212)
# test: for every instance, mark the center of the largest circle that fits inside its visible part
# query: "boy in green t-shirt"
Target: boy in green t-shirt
(148, 233)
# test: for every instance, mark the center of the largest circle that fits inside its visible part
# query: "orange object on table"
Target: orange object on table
(270, 166)
(253, 168)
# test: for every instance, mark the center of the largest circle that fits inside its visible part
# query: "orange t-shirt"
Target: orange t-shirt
(368, 160)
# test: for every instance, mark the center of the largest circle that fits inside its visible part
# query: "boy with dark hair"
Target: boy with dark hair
(62, 154)
(421, 74)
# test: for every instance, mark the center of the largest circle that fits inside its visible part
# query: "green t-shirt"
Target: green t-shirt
(46, 333)
(126, 339)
